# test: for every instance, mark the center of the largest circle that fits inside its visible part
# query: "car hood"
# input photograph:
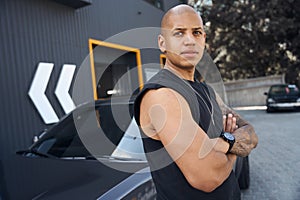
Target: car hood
(48, 178)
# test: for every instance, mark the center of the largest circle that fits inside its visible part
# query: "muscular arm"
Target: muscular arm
(245, 136)
(166, 116)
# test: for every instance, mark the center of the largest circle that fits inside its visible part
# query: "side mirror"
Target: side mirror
(265, 93)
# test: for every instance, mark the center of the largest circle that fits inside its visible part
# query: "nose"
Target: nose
(189, 39)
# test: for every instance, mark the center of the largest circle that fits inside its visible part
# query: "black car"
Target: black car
(282, 97)
(95, 152)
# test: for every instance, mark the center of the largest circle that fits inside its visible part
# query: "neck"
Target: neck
(184, 73)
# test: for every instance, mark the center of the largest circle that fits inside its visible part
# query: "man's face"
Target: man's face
(183, 40)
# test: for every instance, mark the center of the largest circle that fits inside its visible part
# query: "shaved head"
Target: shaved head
(182, 37)
(177, 10)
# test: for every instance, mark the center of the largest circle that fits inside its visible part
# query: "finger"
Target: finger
(229, 123)
(224, 122)
(233, 125)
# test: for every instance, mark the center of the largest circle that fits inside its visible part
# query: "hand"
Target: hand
(229, 123)
(241, 146)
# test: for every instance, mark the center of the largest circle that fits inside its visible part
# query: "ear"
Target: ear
(161, 43)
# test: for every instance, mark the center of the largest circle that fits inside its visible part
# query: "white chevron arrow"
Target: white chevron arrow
(63, 86)
(37, 92)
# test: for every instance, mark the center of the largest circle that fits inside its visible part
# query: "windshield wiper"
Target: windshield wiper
(120, 158)
(35, 152)
(108, 157)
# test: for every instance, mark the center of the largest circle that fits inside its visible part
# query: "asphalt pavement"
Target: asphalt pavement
(275, 163)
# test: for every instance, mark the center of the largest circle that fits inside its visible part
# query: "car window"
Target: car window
(284, 89)
(293, 89)
(63, 140)
(131, 145)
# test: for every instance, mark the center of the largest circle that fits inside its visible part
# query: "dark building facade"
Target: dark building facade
(44, 43)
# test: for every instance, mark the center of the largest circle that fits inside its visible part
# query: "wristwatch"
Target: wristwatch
(228, 137)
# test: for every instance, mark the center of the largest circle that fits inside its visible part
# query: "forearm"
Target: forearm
(223, 162)
(222, 170)
(245, 140)
(220, 145)
(217, 164)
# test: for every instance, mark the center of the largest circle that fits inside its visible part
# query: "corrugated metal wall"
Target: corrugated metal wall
(34, 31)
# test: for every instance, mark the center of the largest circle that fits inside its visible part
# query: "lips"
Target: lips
(189, 53)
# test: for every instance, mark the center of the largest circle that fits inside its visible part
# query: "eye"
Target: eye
(178, 34)
(197, 33)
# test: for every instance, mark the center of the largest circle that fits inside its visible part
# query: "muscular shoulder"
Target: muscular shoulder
(159, 95)
(163, 107)
(165, 97)
(154, 109)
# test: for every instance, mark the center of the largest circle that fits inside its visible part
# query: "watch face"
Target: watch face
(229, 136)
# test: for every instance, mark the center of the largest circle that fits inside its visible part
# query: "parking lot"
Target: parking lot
(275, 163)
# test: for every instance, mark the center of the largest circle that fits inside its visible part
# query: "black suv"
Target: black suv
(95, 152)
(282, 97)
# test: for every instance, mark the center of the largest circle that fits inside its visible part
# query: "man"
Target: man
(181, 120)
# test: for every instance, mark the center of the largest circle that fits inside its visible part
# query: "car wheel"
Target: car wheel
(244, 178)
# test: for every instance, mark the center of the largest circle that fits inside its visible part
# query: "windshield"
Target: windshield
(63, 140)
(284, 90)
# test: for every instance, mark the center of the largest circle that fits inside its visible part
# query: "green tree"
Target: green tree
(254, 38)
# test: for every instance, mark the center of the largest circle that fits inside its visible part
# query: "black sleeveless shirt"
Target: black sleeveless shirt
(169, 181)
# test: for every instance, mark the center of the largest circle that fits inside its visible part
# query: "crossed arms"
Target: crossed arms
(166, 116)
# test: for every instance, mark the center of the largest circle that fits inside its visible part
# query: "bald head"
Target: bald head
(177, 10)
(182, 37)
